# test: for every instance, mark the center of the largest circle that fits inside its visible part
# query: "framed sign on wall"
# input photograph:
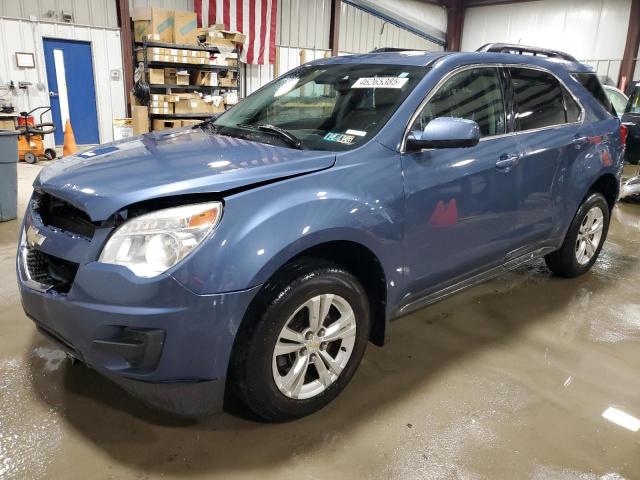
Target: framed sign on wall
(25, 60)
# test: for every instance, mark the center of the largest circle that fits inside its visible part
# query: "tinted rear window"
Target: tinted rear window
(539, 99)
(590, 82)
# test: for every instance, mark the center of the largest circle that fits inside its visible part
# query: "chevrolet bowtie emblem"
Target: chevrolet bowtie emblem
(34, 237)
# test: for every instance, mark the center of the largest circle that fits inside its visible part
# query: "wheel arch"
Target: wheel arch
(356, 258)
(607, 184)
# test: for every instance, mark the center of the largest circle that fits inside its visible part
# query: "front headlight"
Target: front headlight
(151, 244)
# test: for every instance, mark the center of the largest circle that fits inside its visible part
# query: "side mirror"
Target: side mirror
(445, 132)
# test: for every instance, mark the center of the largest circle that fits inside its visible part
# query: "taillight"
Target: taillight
(623, 133)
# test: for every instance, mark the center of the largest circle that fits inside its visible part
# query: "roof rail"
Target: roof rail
(395, 49)
(523, 49)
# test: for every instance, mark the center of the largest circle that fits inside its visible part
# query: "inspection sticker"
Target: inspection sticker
(340, 138)
(380, 82)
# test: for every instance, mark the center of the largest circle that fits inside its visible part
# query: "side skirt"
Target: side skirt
(510, 263)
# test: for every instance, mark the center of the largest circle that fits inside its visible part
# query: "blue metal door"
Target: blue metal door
(71, 89)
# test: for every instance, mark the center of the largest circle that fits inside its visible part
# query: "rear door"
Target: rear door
(551, 136)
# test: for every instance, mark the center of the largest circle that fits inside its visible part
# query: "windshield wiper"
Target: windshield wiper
(285, 135)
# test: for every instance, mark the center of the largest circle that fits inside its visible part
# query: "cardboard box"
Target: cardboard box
(190, 123)
(139, 116)
(156, 76)
(185, 28)
(205, 78)
(192, 103)
(227, 82)
(232, 62)
(182, 77)
(166, 124)
(153, 21)
(170, 76)
(235, 37)
(222, 43)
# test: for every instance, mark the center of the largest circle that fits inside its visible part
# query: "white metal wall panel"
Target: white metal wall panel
(303, 23)
(182, 5)
(21, 35)
(361, 32)
(417, 10)
(99, 13)
(255, 76)
(588, 29)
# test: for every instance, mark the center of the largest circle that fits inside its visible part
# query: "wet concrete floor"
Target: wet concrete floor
(507, 380)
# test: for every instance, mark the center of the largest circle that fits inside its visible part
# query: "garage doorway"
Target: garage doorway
(71, 89)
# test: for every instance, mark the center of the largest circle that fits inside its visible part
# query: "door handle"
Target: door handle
(506, 161)
(53, 94)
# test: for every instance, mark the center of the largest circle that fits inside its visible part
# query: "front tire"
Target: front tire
(301, 341)
(584, 239)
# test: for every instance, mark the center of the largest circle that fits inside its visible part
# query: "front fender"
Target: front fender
(263, 228)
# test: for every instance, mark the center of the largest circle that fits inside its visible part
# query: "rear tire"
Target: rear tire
(263, 378)
(584, 239)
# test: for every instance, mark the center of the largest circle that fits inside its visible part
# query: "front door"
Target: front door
(460, 202)
(71, 89)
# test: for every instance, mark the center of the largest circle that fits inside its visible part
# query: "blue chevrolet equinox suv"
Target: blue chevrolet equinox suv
(249, 260)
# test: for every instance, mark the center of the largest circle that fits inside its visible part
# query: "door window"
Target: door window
(539, 99)
(474, 94)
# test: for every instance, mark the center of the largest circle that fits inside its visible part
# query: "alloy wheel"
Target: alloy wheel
(314, 346)
(589, 235)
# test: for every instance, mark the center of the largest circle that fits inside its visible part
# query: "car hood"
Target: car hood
(107, 178)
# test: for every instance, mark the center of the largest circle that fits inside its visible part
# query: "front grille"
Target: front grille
(54, 272)
(61, 215)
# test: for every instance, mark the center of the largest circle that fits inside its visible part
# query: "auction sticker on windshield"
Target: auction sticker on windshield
(380, 82)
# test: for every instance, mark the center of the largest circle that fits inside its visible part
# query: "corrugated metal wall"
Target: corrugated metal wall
(26, 36)
(362, 32)
(304, 23)
(591, 30)
(184, 5)
(100, 13)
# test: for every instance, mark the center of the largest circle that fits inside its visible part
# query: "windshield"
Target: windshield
(324, 107)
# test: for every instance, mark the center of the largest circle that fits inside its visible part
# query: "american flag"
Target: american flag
(255, 18)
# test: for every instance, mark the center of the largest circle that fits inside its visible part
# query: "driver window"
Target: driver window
(474, 94)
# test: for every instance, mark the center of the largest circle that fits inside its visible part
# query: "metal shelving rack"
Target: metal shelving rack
(169, 89)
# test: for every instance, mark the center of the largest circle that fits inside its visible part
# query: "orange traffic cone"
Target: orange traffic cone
(70, 146)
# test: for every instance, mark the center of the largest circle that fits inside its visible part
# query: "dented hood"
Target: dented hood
(107, 178)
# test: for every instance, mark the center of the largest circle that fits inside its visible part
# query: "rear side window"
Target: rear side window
(590, 82)
(539, 99)
(474, 94)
